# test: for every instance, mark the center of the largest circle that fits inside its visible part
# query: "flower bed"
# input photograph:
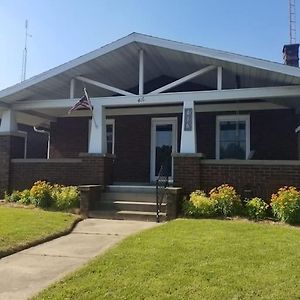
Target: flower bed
(224, 201)
(45, 195)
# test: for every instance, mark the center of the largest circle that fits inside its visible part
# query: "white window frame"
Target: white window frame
(235, 118)
(162, 121)
(107, 122)
(25, 133)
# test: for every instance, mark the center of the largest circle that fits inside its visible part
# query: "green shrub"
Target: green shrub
(228, 202)
(65, 197)
(44, 195)
(256, 208)
(13, 197)
(286, 205)
(199, 205)
(40, 194)
(25, 197)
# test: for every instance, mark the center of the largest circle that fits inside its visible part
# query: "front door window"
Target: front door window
(163, 144)
(163, 149)
(110, 136)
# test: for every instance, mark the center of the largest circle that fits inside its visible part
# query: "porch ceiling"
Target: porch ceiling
(117, 64)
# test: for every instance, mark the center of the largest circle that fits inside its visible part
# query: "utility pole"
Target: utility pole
(292, 19)
(24, 60)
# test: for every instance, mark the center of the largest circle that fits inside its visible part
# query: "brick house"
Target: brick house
(222, 117)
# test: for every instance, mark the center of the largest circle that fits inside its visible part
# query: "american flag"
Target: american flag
(83, 103)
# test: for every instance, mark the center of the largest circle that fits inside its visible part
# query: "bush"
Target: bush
(13, 197)
(256, 208)
(25, 197)
(286, 205)
(44, 195)
(199, 205)
(65, 197)
(40, 194)
(228, 202)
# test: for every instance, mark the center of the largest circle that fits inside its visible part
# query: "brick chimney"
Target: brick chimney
(291, 55)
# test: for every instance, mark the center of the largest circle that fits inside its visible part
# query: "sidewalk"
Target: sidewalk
(25, 273)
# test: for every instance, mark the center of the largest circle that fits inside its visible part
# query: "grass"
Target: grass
(20, 227)
(193, 259)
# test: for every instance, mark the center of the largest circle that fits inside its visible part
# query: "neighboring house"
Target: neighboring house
(224, 117)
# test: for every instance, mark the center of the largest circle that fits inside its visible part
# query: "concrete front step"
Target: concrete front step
(131, 189)
(127, 202)
(128, 206)
(126, 215)
(128, 196)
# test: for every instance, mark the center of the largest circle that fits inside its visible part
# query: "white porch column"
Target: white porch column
(188, 132)
(141, 72)
(219, 78)
(98, 131)
(8, 121)
(72, 88)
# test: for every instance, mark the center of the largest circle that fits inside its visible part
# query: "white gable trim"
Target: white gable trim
(219, 54)
(68, 65)
(154, 41)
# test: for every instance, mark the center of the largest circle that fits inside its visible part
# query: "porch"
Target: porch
(250, 177)
(137, 144)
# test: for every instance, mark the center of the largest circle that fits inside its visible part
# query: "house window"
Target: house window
(110, 135)
(233, 137)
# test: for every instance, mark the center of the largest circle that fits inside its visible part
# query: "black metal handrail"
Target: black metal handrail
(162, 182)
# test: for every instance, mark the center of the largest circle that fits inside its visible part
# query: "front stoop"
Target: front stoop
(128, 203)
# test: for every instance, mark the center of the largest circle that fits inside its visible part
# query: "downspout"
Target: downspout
(48, 142)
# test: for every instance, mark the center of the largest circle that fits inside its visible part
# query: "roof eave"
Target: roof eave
(159, 42)
(220, 55)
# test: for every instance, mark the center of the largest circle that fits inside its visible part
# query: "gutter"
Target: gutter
(48, 141)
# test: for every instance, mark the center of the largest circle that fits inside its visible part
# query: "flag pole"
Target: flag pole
(88, 98)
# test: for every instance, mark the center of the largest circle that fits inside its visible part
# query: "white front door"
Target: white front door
(163, 144)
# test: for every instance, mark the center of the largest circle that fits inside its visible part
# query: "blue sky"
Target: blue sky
(65, 29)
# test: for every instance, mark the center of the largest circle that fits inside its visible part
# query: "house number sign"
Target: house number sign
(188, 119)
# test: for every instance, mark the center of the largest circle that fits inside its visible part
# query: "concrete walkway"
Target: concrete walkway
(25, 273)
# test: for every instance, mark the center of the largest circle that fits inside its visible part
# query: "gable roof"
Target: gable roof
(117, 64)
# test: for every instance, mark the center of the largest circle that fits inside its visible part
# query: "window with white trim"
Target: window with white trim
(233, 137)
(110, 135)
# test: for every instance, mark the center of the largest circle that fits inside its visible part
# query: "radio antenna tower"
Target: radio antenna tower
(24, 60)
(292, 19)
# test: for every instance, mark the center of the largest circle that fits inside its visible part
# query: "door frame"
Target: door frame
(162, 121)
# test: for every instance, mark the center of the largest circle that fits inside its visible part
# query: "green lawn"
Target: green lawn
(20, 226)
(193, 259)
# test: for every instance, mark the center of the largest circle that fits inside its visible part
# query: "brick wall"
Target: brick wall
(88, 169)
(69, 137)
(256, 178)
(96, 169)
(298, 143)
(272, 137)
(206, 134)
(272, 133)
(187, 172)
(10, 147)
(132, 146)
(37, 143)
(4, 163)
